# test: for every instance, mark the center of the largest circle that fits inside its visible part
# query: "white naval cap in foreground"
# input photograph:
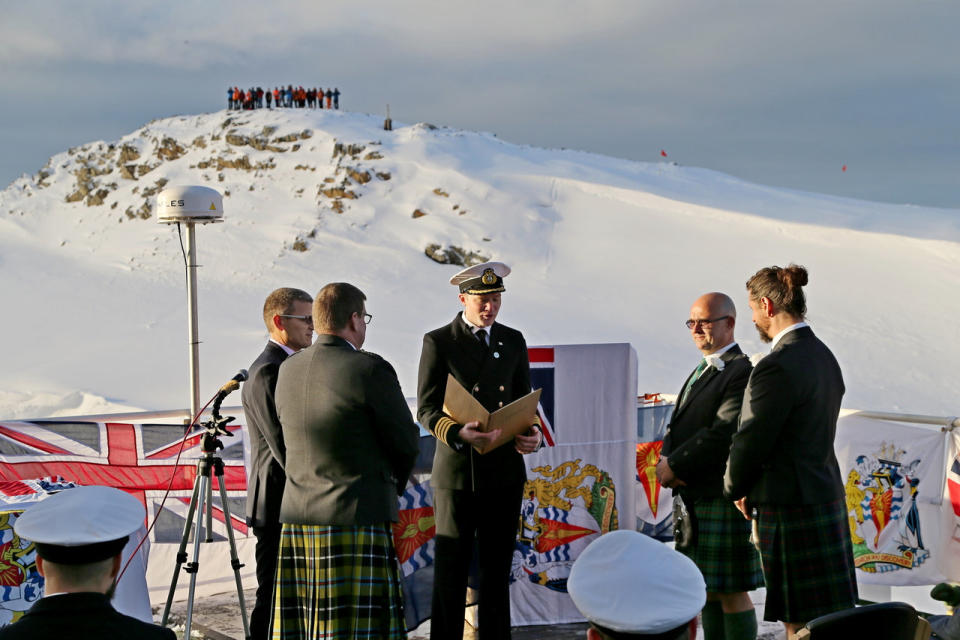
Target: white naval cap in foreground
(628, 582)
(81, 525)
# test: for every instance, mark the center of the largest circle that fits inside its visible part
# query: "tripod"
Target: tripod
(202, 497)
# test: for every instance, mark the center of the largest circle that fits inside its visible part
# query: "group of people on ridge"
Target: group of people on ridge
(253, 98)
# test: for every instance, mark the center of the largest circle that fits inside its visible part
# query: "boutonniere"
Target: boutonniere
(715, 361)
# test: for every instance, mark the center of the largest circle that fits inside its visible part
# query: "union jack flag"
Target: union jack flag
(542, 377)
(138, 458)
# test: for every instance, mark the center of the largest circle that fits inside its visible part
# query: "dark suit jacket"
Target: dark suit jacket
(783, 452)
(698, 436)
(496, 376)
(82, 616)
(351, 441)
(265, 479)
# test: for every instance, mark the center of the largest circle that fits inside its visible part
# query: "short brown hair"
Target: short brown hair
(782, 286)
(335, 304)
(280, 302)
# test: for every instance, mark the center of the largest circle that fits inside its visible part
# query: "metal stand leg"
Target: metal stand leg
(234, 558)
(200, 499)
(181, 552)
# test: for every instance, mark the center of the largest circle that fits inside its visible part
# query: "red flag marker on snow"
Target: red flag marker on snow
(843, 168)
(663, 153)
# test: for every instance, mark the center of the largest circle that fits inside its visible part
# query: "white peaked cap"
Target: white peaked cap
(81, 516)
(499, 269)
(628, 582)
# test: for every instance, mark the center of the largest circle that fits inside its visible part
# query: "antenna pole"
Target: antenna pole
(194, 341)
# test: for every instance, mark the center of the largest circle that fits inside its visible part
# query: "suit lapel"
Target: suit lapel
(705, 377)
(466, 339)
(708, 374)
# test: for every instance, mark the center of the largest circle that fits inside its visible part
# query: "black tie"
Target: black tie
(482, 337)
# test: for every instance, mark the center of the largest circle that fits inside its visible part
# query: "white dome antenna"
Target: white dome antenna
(189, 204)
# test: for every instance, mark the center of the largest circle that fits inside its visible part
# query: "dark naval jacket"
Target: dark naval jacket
(496, 376)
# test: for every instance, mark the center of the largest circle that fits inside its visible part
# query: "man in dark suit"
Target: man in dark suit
(692, 463)
(80, 534)
(782, 469)
(287, 314)
(351, 445)
(476, 497)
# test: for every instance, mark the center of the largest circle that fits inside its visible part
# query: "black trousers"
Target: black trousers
(488, 518)
(265, 552)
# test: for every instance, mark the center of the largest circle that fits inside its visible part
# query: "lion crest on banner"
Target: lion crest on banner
(563, 507)
(881, 494)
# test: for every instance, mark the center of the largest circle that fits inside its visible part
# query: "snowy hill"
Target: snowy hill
(603, 250)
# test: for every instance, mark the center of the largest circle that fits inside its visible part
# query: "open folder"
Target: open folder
(512, 419)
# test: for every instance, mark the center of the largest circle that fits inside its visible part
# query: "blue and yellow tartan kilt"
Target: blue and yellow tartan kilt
(723, 552)
(807, 560)
(337, 582)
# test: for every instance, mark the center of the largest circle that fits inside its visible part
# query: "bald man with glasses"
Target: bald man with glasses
(287, 314)
(693, 461)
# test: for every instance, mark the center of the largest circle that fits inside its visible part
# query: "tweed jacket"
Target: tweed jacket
(351, 440)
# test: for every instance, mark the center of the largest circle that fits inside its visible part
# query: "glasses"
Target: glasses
(307, 319)
(693, 323)
(367, 318)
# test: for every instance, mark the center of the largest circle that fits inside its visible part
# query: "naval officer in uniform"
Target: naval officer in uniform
(476, 497)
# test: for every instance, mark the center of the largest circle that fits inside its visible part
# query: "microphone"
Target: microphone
(234, 383)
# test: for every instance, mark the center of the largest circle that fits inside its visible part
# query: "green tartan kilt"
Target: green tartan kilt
(807, 560)
(723, 552)
(337, 582)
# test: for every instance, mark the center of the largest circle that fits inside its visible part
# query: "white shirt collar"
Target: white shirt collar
(792, 327)
(473, 328)
(714, 360)
(286, 349)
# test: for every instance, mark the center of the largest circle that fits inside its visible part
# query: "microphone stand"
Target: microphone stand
(201, 499)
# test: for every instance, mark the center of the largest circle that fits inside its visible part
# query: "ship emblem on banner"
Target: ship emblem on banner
(648, 453)
(414, 532)
(562, 507)
(881, 494)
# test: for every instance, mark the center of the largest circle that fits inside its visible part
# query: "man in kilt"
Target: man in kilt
(782, 469)
(692, 463)
(351, 444)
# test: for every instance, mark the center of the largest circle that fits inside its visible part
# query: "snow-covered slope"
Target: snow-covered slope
(603, 250)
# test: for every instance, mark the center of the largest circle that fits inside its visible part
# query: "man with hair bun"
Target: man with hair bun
(782, 469)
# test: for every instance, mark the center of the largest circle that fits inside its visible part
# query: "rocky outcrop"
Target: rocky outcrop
(169, 149)
(453, 254)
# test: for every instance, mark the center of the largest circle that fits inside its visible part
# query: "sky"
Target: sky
(780, 94)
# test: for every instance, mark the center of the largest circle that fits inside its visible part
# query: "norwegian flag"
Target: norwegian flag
(138, 458)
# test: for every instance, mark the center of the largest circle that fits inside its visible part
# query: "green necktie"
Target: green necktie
(693, 378)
